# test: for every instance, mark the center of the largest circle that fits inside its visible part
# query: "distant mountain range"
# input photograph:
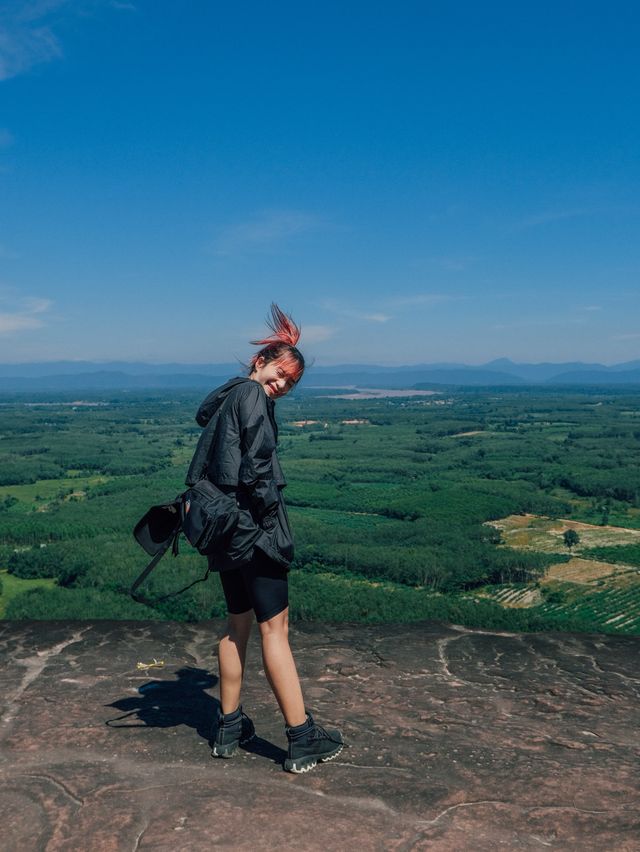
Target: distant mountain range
(121, 375)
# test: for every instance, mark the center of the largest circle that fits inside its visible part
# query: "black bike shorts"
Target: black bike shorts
(262, 586)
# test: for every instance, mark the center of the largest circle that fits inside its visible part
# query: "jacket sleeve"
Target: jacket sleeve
(257, 446)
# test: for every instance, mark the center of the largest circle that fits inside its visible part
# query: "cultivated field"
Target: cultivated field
(612, 596)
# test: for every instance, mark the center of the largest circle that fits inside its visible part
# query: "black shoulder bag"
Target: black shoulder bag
(204, 513)
(206, 516)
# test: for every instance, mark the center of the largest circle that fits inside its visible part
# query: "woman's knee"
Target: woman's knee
(277, 625)
(239, 624)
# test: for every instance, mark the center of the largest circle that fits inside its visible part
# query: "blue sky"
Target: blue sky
(412, 181)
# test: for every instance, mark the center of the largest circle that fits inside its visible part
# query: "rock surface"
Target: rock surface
(459, 740)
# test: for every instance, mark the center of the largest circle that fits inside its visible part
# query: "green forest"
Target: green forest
(452, 506)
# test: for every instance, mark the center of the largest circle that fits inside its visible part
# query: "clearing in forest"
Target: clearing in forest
(578, 570)
(536, 532)
(606, 594)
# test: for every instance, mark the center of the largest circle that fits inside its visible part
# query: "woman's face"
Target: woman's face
(273, 377)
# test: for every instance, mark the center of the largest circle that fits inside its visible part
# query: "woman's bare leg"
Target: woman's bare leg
(232, 653)
(280, 667)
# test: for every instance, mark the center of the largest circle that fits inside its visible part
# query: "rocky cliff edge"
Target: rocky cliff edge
(458, 740)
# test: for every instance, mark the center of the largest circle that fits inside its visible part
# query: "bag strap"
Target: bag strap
(173, 544)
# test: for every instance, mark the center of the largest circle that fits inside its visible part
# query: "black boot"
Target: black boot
(234, 729)
(310, 744)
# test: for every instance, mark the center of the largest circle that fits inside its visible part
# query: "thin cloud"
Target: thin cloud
(540, 323)
(317, 333)
(546, 217)
(264, 231)
(27, 36)
(396, 303)
(32, 10)
(6, 138)
(345, 312)
(35, 305)
(418, 299)
(591, 308)
(630, 336)
(377, 317)
(448, 212)
(29, 314)
(451, 263)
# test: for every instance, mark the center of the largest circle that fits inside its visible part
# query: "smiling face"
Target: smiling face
(273, 376)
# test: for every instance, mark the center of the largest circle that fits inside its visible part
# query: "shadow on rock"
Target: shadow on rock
(266, 749)
(169, 703)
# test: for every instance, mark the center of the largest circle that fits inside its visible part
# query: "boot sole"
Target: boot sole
(229, 750)
(305, 764)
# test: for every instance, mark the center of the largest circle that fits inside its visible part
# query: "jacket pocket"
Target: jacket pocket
(208, 516)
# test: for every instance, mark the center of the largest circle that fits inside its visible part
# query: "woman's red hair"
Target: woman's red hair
(283, 327)
(281, 344)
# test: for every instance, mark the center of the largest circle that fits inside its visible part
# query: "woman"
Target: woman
(237, 453)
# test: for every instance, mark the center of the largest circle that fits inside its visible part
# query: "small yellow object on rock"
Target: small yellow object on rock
(156, 664)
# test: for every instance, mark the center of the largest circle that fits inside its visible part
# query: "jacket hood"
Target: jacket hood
(215, 399)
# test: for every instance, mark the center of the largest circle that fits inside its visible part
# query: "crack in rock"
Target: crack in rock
(171, 784)
(136, 843)
(361, 803)
(441, 645)
(433, 821)
(58, 784)
(527, 808)
(34, 666)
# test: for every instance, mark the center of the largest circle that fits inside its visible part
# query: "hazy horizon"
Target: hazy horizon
(323, 363)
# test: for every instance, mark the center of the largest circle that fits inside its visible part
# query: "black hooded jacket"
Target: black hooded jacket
(237, 452)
